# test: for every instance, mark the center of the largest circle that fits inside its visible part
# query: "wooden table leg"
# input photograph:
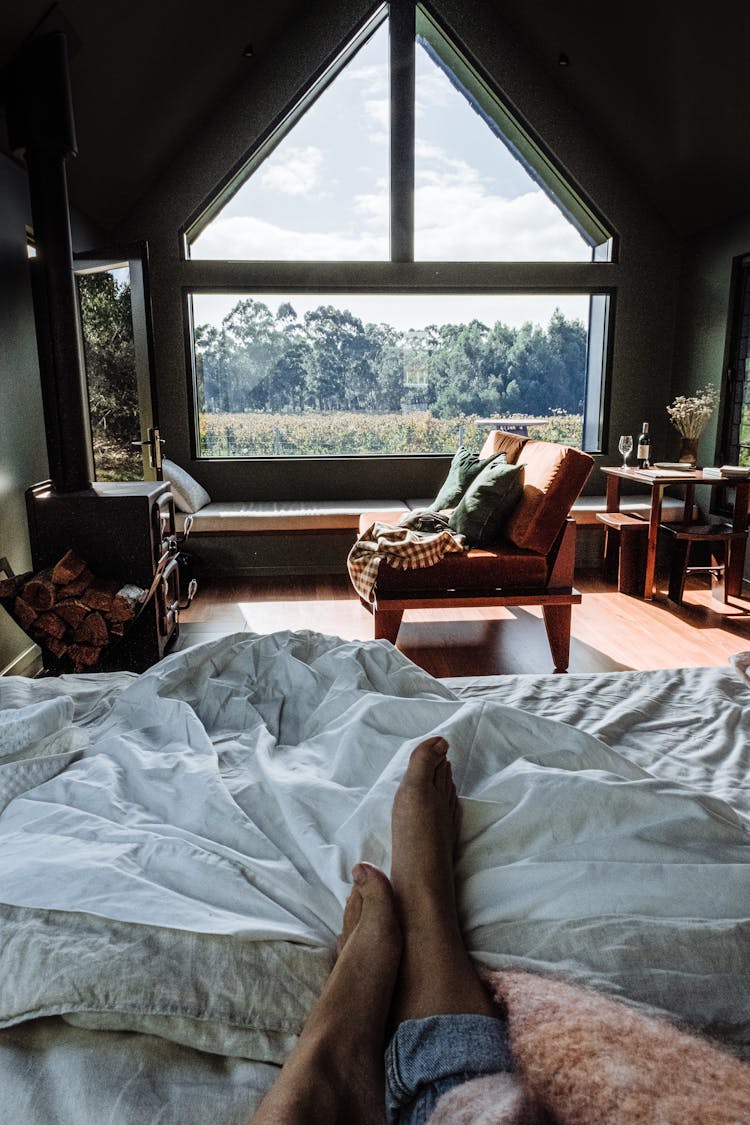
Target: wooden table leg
(657, 496)
(735, 556)
(613, 493)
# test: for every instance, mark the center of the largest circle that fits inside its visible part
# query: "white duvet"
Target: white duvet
(175, 848)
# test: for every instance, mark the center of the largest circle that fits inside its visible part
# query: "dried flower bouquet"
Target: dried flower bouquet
(689, 414)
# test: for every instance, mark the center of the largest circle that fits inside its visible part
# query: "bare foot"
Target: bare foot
(335, 1073)
(436, 976)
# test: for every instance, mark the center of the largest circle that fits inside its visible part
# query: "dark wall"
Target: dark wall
(23, 457)
(23, 454)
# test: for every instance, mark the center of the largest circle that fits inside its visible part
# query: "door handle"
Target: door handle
(154, 443)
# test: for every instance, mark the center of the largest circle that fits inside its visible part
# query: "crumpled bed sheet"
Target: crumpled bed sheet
(175, 849)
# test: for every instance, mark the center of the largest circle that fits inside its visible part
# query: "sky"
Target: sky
(406, 311)
(322, 195)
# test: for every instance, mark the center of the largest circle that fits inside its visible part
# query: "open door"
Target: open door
(116, 329)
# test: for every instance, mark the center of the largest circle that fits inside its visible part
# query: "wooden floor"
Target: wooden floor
(611, 631)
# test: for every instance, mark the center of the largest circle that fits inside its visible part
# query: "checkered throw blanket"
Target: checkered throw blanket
(399, 546)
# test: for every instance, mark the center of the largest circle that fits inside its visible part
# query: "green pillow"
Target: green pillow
(488, 499)
(465, 467)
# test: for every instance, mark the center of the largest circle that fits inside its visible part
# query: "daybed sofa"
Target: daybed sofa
(530, 562)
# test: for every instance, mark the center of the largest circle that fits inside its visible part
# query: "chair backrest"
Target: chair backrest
(553, 478)
(498, 441)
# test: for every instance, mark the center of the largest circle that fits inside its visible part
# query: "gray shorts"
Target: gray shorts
(428, 1057)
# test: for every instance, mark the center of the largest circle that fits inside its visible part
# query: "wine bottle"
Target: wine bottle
(643, 453)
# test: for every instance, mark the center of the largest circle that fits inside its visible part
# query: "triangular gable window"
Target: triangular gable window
(467, 182)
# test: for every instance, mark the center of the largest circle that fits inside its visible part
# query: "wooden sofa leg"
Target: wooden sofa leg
(557, 621)
(387, 624)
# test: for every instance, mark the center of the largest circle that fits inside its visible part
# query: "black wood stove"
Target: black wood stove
(125, 531)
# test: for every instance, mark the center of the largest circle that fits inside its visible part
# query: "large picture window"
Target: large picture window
(401, 154)
(324, 374)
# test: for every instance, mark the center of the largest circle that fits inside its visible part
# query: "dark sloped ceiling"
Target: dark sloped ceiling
(665, 85)
(146, 74)
(662, 83)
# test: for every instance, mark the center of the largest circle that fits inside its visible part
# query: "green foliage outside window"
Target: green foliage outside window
(274, 384)
(109, 354)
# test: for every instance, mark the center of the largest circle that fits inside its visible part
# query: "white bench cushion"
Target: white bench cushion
(240, 516)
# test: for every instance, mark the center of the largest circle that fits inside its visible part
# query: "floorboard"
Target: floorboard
(611, 631)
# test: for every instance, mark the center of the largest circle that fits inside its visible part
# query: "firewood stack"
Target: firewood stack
(69, 612)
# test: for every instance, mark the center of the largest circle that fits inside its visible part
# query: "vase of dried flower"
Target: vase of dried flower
(689, 450)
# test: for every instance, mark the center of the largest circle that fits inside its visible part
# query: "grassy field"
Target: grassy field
(330, 435)
(343, 434)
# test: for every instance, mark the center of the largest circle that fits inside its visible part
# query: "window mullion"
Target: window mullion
(402, 24)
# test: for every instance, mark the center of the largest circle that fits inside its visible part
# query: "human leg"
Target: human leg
(436, 975)
(446, 1028)
(336, 1071)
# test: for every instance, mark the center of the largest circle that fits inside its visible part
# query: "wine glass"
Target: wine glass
(625, 446)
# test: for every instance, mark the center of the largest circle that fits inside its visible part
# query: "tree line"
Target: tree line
(329, 360)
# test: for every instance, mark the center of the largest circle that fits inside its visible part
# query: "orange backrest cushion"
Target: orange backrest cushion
(498, 441)
(554, 476)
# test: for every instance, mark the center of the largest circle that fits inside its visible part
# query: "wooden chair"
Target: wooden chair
(719, 537)
(531, 564)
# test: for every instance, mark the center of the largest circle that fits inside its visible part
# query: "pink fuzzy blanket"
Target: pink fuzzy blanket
(585, 1059)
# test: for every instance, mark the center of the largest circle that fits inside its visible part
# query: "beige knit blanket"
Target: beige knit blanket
(583, 1058)
(398, 546)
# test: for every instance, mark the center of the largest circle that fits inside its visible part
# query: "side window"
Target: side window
(736, 432)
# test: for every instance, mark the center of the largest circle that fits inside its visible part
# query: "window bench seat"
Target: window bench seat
(248, 517)
(270, 537)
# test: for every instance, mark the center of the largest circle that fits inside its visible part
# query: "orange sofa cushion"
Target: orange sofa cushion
(554, 476)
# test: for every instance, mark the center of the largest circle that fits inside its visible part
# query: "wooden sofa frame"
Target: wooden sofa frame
(556, 599)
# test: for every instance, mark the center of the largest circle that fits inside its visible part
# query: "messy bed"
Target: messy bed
(175, 851)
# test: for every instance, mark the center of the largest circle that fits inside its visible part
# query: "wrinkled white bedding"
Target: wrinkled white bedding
(175, 848)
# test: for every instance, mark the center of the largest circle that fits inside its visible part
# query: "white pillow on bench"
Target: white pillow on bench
(189, 495)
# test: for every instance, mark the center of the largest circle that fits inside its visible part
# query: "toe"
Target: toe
(352, 915)
(370, 882)
(425, 759)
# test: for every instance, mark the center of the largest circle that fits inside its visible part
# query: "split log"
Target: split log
(92, 631)
(24, 613)
(78, 585)
(69, 567)
(49, 624)
(84, 656)
(72, 611)
(56, 647)
(126, 603)
(100, 594)
(40, 591)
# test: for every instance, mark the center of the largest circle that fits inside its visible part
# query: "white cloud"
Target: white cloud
(433, 89)
(458, 217)
(372, 207)
(378, 111)
(247, 239)
(460, 223)
(293, 171)
(372, 79)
